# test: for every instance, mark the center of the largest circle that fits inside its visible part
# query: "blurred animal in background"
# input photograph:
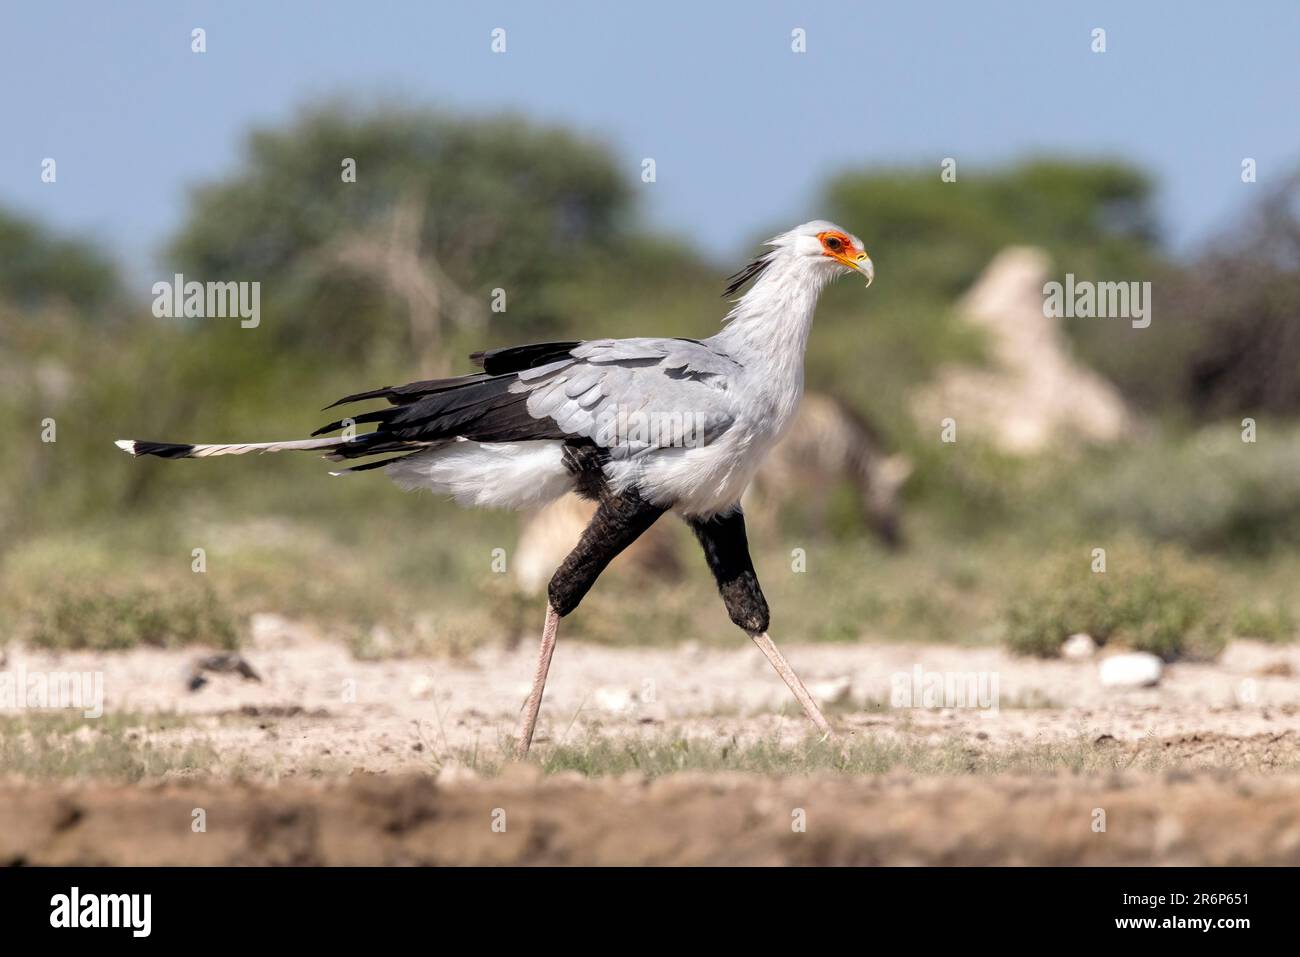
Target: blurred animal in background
(549, 535)
(829, 443)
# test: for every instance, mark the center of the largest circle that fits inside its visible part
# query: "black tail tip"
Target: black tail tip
(165, 450)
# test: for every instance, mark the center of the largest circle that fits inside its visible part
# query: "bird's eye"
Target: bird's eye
(833, 244)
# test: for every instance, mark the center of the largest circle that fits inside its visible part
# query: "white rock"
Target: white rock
(1078, 647)
(422, 687)
(452, 774)
(831, 691)
(692, 649)
(613, 700)
(382, 640)
(270, 631)
(1136, 670)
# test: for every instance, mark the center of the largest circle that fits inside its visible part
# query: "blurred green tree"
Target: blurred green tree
(39, 269)
(443, 211)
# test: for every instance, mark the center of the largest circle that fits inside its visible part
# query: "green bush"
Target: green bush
(85, 617)
(1270, 622)
(1155, 600)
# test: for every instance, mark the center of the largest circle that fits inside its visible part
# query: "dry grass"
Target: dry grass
(659, 754)
(116, 747)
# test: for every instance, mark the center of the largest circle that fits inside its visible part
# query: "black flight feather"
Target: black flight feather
(478, 407)
(518, 358)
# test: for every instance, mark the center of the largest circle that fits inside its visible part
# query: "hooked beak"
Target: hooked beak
(864, 265)
(861, 262)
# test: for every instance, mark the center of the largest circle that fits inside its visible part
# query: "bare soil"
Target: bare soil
(338, 761)
(682, 819)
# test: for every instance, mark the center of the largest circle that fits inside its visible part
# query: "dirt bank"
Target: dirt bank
(687, 819)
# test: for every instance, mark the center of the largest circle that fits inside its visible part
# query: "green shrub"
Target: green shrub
(1272, 622)
(87, 617)
(1155, 600)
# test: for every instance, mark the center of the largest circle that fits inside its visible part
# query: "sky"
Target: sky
(742, 129)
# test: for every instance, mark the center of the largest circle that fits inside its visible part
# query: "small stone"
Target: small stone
(382, 642)
(421, 688)
(832, 690)
(1078, 647)
(453, 774)
(265, 628)
(613, 700)
(1135, 670)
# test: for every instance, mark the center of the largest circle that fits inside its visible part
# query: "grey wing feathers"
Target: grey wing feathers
(633, 395)
(626, 395)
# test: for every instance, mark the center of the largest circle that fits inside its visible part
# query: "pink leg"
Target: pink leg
(766, 645)
(534, 703)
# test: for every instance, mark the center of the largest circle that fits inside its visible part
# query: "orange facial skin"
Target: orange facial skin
(840, 247)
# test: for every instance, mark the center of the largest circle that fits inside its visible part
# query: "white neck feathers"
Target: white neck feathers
(774, 317)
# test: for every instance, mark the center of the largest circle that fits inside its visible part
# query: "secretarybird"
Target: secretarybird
(642, 426)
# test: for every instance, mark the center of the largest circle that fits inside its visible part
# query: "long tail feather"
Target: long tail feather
(174, 450)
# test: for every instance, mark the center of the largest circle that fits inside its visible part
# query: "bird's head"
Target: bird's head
(825, 243)
(819, 245)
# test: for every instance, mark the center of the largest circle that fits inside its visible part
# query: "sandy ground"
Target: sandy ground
(330, 759)
(681, 819)
(326, 710)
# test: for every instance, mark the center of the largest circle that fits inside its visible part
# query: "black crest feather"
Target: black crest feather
(752, 271)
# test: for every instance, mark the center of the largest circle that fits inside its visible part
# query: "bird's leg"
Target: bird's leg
(534, 703)
(727, 551)
(773, 653)
(618, 522)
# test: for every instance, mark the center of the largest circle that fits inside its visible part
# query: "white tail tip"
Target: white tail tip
(126, 445)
